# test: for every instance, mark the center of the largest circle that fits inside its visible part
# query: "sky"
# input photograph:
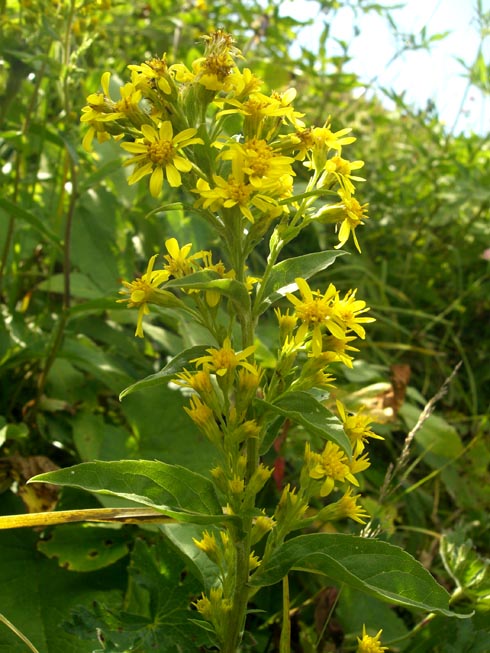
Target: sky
(435, 75)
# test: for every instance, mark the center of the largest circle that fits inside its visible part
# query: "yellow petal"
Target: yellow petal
(173, 175)
(156, 182)
(166, 131)
(149, 133)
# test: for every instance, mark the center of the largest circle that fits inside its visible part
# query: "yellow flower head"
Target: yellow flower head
(236, 485)
(287, 323)
(158, 154)
(332, 465)
(152, 74)
(232, 192)
(144, 290)
(258, 161)
(285, 99)
(335, 350)
(314, 375)
(368, 644)
(203, 417)
(199, 412)
(244, 82)
(347, 312)
(316, 312)
(341, 170)
(317, 142)
(204, 607)
(179, 262)
(263, 114)
(262, 525)
(214, 70)
(254, 561)
(225, 360)
(347, 507)
(226, 193)
(101, 112)
(357, 429)
(359, 463)
(354, 213)
(207, 544)
(102, 108)
(199, 381)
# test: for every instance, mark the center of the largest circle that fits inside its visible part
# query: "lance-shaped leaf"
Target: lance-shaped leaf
(166, 374)
(171, 489)
(210, 280)
(284, 273)
(14, 209)
(302, 408)
(377, 568)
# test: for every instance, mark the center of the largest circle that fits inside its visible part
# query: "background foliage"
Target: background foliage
(71, 229)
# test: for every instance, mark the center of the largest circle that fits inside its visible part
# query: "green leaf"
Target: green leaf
(101, 173)
(377, 568)
(173, 490)
(284, 273)
(154, 417)
(92, 241)
(355, 608)
(85, 547)
(470, 571)
(81, 286)
(97, 439)
(453, 636)
(302, 408)
(95, 360)
(37, 594)
(95, 306)
(167, 373)
(182, 537)
(156, 614)
(38, 224)
(209, 280)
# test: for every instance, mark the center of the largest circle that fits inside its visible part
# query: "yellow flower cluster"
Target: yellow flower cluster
(369, 644)
(320, 313)
(169, 116)
(178, 263)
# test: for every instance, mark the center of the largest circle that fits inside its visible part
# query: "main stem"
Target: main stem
(236, 622)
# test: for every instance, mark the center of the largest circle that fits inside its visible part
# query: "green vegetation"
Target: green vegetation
(138, 568)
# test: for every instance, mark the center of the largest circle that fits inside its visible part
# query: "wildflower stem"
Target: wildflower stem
(285, 642)
(19, 171)
(271, 260)
(236, 622)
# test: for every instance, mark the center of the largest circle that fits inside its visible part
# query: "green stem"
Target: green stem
(59, 333)
(71, 166)
(18, 173)
(236, 621)
(271, 260)
(235, 626)
(285, 641)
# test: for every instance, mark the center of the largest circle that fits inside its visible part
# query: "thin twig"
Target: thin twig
(394, 470)
(424, 415)
(17, 632)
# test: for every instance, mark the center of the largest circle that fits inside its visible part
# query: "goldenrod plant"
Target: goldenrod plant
(210, 131)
